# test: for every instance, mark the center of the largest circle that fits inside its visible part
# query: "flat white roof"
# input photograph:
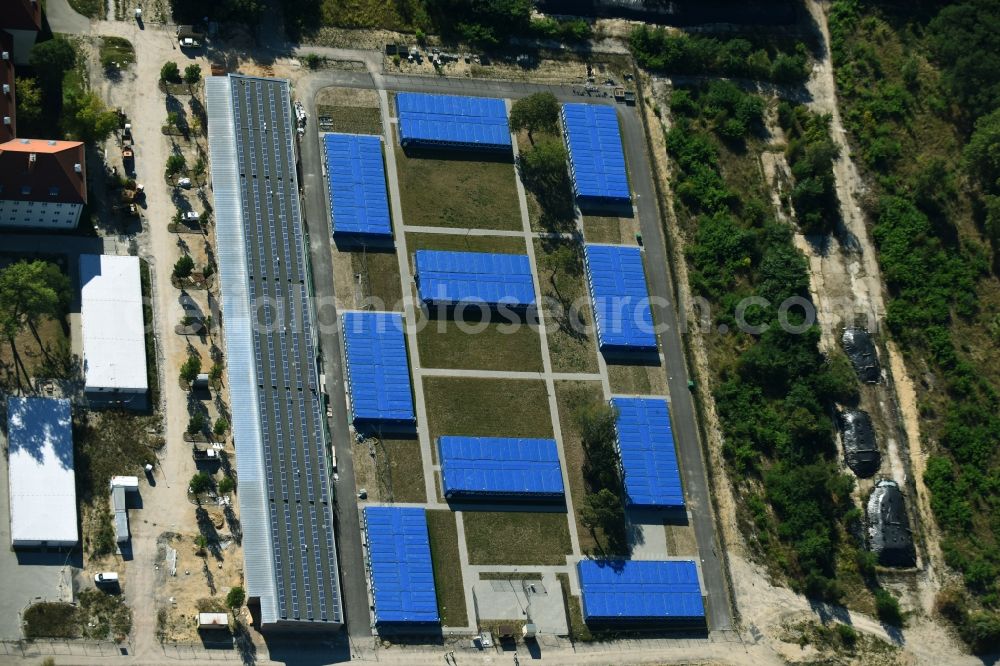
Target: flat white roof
(40, 468)
(114, 346)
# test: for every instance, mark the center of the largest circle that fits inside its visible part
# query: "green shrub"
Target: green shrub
(848, 636)
(235, 597)
(887, 608)
(196, 424)
(200, 483)
(226, 485)
(170, 72)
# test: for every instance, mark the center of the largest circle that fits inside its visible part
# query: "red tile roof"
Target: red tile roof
(7, 100)
(39, 170)
(20, 15)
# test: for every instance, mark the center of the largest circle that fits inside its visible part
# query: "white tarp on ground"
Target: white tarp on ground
(42, 478)
(114, 344)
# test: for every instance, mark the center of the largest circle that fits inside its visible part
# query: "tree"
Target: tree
(183, 267)
(29, 291)
(175, 164)
(221, 426)
(196, 424)
(192, 74)
(537, 112)
(982, 154)
(170, 72)
(200, 482)
(190, 368)
(603, 510)
(235, 597)
(227, 484)
(543, 168)
(215, 373)
(51, 59)
(86, 118)
(887, 608)
(29, 104)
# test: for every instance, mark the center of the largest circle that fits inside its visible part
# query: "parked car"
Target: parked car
(184, 182)
(191, 216)
(106, 579)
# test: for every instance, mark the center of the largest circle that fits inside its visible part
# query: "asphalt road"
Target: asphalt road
(661, 290)
(353, 583)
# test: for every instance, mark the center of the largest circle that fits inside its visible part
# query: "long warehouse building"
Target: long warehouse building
(645, 443)
(657, 594)
(453, 122)
(617, 284)
(448, 279)
(500, 468)
(281, 442)
(359, 201)
(378, 372)
(596, 156)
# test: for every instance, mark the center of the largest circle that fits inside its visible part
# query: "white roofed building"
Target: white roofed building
(41, 473)
(114, 345)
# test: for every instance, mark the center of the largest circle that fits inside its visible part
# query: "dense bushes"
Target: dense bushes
(660, 50)
(925, 93)
(810, 154)
(774, 400)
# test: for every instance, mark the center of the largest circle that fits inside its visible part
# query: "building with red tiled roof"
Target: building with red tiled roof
(22, 19)
(8, 103)
(43, 184)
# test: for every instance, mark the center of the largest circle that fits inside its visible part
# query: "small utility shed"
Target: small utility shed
(596, 158)
(114, 343)
(452, 121)
(400, 569)
(359, 203)
(617, 284)
(41, 475)
(641, 592)
(500, 467)
(449, 279)
(648, 458)
(378, 371)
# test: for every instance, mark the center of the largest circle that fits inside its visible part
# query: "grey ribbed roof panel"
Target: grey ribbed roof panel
(240, 363)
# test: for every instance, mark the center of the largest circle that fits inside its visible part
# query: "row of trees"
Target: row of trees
(171, 73)
(810, 154)
(662, 50)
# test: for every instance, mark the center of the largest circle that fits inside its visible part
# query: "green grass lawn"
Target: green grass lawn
(443, 344)
(569, 395)
(487, 407)
(637, 379)
(607, 230)
(568, 312)
(457, 193)
(463, 243)
(350, 119)
(517, 538)
(379, 278)
(447, 568)
(400, 468)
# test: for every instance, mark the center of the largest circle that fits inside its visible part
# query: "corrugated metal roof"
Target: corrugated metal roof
(640, 590)
(451, 120)
(617, 285)
(648, 457)
(356, 179)
(596, 158)
(240, 360)
(378, 372)
(402, 576)
(42, 479)
(450, 278)
(508, 466)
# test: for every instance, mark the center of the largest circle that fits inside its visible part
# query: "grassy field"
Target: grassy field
(379, 278)
(569, 395)
(578, 630)
(447, 570)
(402, 15)
(457, 193)
(95, 9)
(349, 119)
(443, 344)
(517, 538)
(487, 407)
(116, 49)
(34, 359)
(395, 474)
(568, 318)
(608, 230)
(463, 243)
(637, 379)
(96, 616)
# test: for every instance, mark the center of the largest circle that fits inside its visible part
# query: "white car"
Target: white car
(191, 216)
(184, 182)
(109, 578)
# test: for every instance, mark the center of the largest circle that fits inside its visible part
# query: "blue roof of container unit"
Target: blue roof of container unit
(356, 178)
(402, 576)
(623, 590)
(378, 372)
(452, 119)
(474, 277)
(646, 447)
(621, 300)
(596, 157)
(500, 466)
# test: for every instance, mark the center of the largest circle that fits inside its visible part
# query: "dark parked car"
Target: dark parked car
(861, 350)
(860, 448)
